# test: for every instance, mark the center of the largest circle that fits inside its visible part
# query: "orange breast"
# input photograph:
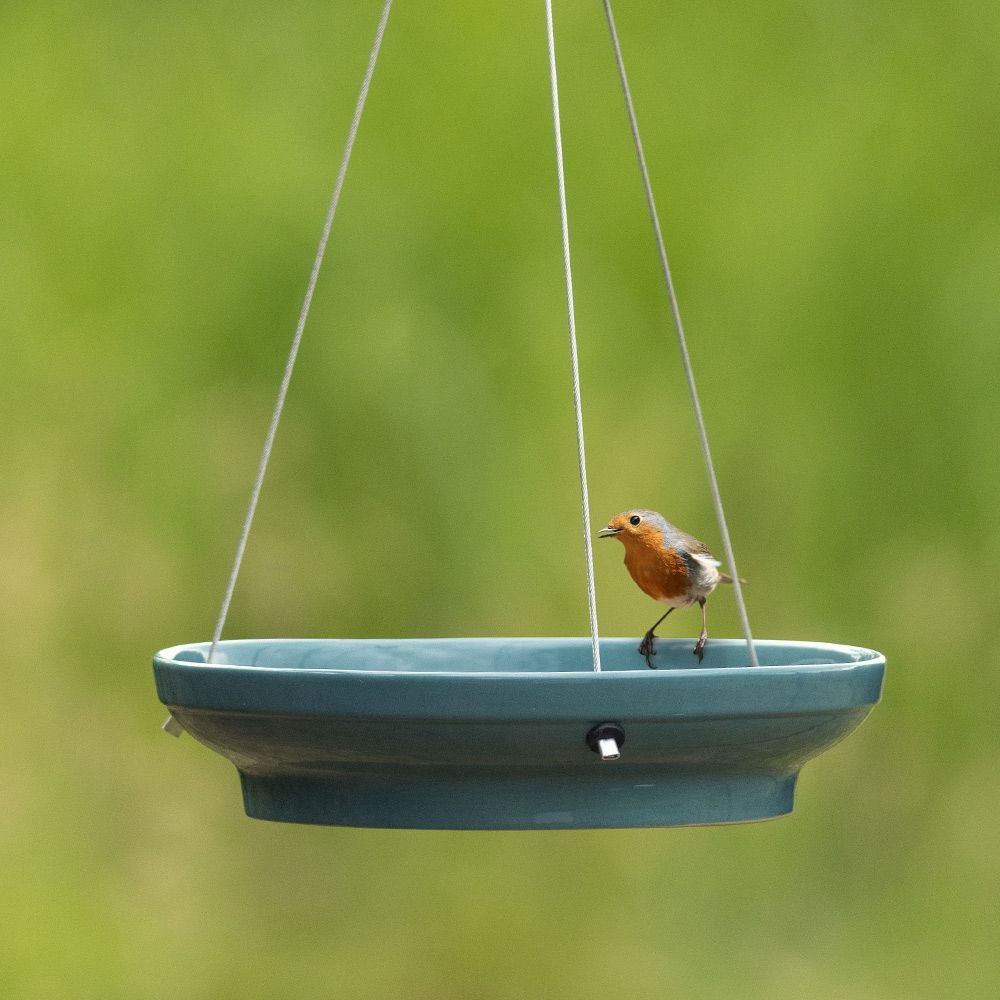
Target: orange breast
(660, 572)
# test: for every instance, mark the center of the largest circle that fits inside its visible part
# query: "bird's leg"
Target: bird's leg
(699, 646)
(648, 645)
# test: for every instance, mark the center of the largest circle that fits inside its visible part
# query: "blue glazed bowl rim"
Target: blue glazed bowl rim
(853, 679)
(843, 656)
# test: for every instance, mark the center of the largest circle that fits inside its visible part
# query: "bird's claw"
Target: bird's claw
(647, 648)
(699, 647)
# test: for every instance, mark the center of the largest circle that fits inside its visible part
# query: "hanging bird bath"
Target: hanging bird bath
(515, 733)
(492, 733)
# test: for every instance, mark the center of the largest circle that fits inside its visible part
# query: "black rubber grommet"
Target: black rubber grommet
(605, 731)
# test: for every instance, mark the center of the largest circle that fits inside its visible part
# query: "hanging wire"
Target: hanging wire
(681, 339)
(171, 725)
(571, 315)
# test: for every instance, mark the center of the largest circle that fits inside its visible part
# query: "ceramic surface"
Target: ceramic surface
(491, 733)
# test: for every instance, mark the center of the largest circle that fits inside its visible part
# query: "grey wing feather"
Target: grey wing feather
(693, 545)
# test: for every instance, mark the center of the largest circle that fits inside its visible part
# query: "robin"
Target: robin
(668, 564)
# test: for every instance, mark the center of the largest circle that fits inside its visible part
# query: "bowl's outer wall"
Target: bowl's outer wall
(469, 744)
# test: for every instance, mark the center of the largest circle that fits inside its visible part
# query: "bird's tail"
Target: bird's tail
(726, 578)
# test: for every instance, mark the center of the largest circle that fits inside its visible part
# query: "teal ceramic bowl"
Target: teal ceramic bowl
(492, 733)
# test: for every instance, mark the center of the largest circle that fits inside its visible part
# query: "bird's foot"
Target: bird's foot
(699, 647)
(647, 648)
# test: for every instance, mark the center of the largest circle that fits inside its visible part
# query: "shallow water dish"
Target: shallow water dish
(492, 733)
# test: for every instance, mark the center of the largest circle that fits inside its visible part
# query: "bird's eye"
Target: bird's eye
(634, 519)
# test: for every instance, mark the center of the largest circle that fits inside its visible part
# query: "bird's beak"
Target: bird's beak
(608, 532)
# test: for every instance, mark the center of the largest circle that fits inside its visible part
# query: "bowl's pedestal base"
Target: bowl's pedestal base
(485, 799)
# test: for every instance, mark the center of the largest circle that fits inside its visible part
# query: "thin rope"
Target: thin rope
(681, 340)
(171, 724)
(286, 378)
(571, 315)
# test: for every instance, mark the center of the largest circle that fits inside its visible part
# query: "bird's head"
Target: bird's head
(635, 525)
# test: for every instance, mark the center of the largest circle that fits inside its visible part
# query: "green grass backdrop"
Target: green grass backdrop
(827, 176)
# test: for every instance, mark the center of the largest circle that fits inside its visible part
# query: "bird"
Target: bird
(670, 565)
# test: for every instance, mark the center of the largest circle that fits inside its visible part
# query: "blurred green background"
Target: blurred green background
(827, 175)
